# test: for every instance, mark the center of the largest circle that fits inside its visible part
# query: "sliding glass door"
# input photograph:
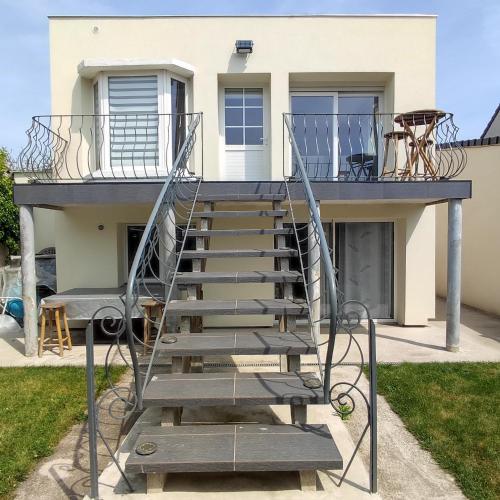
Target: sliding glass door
(364, 258)
(313, 128)
(337, 134)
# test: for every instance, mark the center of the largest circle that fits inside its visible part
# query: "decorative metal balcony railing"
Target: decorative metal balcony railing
(417, 145)
(76, 148)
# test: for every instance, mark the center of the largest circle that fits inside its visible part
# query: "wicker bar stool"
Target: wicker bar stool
(153, 311)
(394, 138)
(51, 320)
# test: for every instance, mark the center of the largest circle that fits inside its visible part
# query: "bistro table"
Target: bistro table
(411, 121)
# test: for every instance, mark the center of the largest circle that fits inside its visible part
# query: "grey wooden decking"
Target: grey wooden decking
(242, 447)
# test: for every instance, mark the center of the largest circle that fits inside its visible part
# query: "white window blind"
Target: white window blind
(133, 120)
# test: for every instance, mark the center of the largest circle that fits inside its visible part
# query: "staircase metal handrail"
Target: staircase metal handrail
(325, 259)
(341, 321)
(178, 168)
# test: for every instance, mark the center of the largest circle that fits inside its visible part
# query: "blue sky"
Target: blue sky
(468, 48)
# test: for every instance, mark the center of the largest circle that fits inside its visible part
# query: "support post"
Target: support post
(168, 258)
(315, 277)
(28, 279)
(92, 422)
(454, 275)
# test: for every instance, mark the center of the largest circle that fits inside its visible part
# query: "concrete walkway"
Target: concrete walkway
(405, 470)
(480, 341)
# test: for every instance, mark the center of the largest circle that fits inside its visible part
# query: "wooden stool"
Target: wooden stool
(425, 145)
(52, 313)
(152, 309)
(394, 137)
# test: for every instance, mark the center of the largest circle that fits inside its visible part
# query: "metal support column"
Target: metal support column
(454, 274)
(29, 279)
(167, 238)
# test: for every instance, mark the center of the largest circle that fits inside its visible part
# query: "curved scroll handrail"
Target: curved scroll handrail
(325, 259)
(177, 173)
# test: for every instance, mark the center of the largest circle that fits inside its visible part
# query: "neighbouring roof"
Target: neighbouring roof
(483, 141)
(494, 121)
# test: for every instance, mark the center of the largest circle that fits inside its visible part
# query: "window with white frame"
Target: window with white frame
(142, 121)
(244, 118)
(133, 120)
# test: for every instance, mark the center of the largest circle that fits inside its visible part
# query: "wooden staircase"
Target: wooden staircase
(174, 447)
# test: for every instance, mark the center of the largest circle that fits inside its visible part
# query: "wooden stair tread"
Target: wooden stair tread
(236, 306)
(240, 213)
(238, 252)
(234, 342)
(240, 197)
(230, 389)
(239, 277)
(238, 232)
(240, 447)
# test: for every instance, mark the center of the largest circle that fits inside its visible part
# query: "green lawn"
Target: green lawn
(453, 409)
(38, 405)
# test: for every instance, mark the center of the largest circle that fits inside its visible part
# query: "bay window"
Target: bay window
(139, 123)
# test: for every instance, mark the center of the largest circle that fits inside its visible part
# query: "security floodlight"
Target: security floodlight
(244, 46)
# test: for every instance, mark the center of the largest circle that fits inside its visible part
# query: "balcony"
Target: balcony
(93, 148)
(413, 146)
(337, 147)
(364, 157)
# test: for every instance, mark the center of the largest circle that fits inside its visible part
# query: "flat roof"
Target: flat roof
(112, 16)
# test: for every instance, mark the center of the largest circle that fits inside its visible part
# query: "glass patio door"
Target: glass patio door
(364, 257)
(337, 133)
(314, 123)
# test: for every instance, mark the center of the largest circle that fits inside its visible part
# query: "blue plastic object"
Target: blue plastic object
(15, 308)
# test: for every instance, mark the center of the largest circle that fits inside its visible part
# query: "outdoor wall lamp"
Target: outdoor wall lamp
(244, 46)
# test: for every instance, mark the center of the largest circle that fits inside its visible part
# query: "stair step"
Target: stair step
(250, 252)
(240, 447)
(240, 213)
(240, 197)
(237, 232)
(239, 277)
(236, 342)
(230, 389)
(243, 306)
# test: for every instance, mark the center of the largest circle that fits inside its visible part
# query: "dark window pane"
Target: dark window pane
(134, 235)
(178, 96)
(254, 136)
(253, 116)
(234, 135)
(234, 97)
(234, 116)
(253, 97)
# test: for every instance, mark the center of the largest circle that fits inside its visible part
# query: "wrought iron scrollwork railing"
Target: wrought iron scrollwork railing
(343, 316)
(83, 148)
(152, 278)
(420, 145)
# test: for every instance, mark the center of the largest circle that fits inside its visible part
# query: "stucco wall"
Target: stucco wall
(343, 51)
(481, 233)
(89, 257)
(316, 52)
(44, 228)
